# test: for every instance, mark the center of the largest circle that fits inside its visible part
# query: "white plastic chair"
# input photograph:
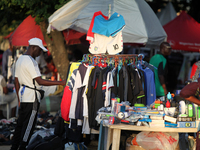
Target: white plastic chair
(2, 102)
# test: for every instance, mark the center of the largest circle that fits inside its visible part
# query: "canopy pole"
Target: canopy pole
(109, 11)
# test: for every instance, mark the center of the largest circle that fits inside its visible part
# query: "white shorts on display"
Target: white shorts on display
(113, 45)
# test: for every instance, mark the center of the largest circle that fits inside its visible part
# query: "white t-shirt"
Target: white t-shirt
(26, 70)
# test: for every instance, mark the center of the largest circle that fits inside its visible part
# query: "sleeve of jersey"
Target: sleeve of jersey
(71, 81)
(90, 34)
(194, 68)
(33, 69)
(65, 103)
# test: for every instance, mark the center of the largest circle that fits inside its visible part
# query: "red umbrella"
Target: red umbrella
(26, 30)
(74, 37)
(183, 33)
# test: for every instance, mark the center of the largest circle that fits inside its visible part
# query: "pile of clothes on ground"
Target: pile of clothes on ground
(49, 133)
(7, 127)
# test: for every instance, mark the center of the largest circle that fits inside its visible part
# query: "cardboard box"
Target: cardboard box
(170, 119)
(185, 119)
(186, 124)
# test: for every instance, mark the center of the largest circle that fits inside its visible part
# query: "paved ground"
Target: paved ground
(5, 147)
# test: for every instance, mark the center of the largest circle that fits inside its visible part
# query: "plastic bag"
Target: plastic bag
(75, 146)
(69, 146)
(157, 140)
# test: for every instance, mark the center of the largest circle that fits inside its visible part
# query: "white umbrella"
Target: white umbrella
(142, 25)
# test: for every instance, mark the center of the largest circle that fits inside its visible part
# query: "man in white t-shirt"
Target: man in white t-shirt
(27, 83)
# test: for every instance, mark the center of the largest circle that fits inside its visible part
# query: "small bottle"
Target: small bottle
(169, 97)
(190, 110)
(167, 104)
(161, 107)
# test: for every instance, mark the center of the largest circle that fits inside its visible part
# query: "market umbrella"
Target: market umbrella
(166, 14)
(142, 25)
(74, 37)
(183, 33)
(26, 30)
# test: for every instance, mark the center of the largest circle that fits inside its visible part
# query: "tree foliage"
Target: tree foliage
(41, 9)
(11, 15)
(13, 12)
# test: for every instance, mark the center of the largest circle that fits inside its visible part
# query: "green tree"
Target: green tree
(11, 16)
(41, 9)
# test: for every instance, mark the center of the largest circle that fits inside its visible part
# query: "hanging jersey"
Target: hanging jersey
(108, 89)
(108, 27)
(73, 66)
(90, 34)
(113, 45)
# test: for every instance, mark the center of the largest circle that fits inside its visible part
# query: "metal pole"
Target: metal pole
(109, 11)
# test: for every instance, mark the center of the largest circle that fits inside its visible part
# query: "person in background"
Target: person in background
(8, 97)
(77, 55)
(189, 92)
(159, 61)
(27, 84)
(7, 62)
(42, 63)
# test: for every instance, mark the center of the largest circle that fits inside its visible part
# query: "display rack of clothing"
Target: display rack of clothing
(97, 80)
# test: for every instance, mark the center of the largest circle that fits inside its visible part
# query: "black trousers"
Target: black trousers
(25, 125)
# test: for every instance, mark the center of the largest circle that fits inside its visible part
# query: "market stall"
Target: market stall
(114, 132)
(110, 89)
(116, 109)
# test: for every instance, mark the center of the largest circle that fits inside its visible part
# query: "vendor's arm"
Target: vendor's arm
(17, 86)
(41, 81)
(161, 77)
(193, 100)
(188, 92)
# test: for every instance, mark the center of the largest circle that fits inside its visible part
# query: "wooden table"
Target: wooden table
(114, 132)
